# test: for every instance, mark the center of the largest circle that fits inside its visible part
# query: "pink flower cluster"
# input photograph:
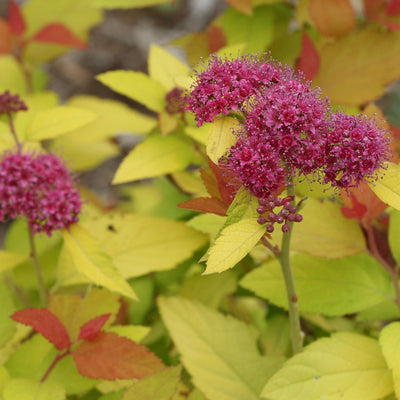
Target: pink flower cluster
(11, 103)
(287, 129)
(40, 189)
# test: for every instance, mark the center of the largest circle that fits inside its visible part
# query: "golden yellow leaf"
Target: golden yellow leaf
(221, 137)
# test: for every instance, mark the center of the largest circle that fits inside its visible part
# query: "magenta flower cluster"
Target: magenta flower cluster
(287, 129)
(11, 103)
(40, 189)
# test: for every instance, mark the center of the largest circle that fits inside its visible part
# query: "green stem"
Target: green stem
(38, 271)
(284, 259)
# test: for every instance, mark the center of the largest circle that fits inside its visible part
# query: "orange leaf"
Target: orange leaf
(332, 17)
(206, 204)
(16, 19)
(309, 58)
(46, 323)
(59, 34)
(373, 8)
(216, 38)
(355, 69)
(92, 328)
(6, 46)
(244, 6)
(110, 356)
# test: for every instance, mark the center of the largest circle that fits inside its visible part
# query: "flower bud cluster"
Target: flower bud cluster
(11, 103)
(288, 212)
(287, 128)
(40, 189)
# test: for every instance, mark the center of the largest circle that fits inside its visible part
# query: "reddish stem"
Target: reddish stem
(56, 360)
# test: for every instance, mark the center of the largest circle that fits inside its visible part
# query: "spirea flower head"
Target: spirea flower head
(355, 148)
(11, 103)
(225, 84)
(40, 189)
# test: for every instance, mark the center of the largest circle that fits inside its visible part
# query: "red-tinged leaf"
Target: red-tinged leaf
(391, 25)
(46, 323)
(216, 38)
(58, 34)
(309, 60)
(228, 185)
(6, 46)
(210, 181)
(16, 19)
(244, 6)
(110, 357)
(373, 8)
(92, 328)
(357, 211)
(364, 196)
(332, 17)
(206, 204)
(393, 8)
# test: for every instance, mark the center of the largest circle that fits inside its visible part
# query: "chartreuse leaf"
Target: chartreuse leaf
(140, 244)
(366, 61)
(110, 4)
(387, 186)
(390, 342)
(219, 352)
(57, 121)
(164, 67)
(12, 77)
(137, 86)
(234, 243)
(155, 156)
(133, 332)
(394, 234)
(27, 389)
(330, 287)
(9, 260)
(7, 325)
(90, 260)
(221, 137)
(344, 366)
(160, 386)
(4, 377)
(321, 232)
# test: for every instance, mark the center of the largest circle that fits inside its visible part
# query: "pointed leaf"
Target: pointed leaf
(330, 287)
(137, 86)
(92, 328)
(221, 137)
(155, 156)
(91, 261)
(57, 121)
(332, 17)
(58, 34)
(46, 323)
(160, 386)
(27, 389)
(110, 357)
(16, 19)
(309, 58)
(164, 67)
(219, 352)
(387, 187)
(205, 204)
(344, 366)
(389, 340)
(365, 60)
(234, 243)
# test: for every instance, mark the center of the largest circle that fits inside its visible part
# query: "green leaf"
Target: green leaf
(9, 260)
(221, 137)
(91, 261)
(160, 386)
(111, 4)
(155, 156)
(12, 77)
(330, 287)
(344, 366)
(57, 121)
(137, 86)
(219, 352)
(7, 325)
(394, 234)
(234, 243)
(165, 68)
(389, 340)
(387, 186)
(139, 244)
(26, 389)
